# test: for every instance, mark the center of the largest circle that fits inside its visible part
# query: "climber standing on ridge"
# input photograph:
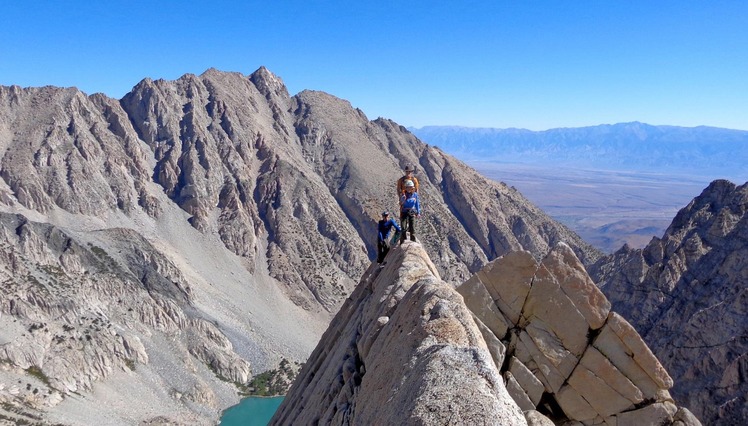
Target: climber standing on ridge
(409, 169)
(383, 239)
(410, 208)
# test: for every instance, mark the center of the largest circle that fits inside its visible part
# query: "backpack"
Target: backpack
(410, 204)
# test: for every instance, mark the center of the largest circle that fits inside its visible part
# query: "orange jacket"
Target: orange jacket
(401, 185)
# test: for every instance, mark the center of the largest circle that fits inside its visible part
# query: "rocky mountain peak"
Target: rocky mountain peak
(401, 345)
(528, 342)
(720, 196)
(268, 83)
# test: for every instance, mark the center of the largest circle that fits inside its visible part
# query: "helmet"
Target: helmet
(385, 213)
(409, 168)
(409, 184)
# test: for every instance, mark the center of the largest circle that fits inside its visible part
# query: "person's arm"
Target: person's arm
(415, 183)
(395, 225)
(418, 204)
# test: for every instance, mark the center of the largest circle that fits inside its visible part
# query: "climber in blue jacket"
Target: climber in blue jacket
(410, 209)
(384, 227)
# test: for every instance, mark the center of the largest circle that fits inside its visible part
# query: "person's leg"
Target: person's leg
(412, 225)
(380, 254)
(403, 224)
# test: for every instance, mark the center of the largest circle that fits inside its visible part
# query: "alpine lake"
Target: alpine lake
(251, 411)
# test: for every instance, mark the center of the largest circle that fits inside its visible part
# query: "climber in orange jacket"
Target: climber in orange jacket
(409, 169)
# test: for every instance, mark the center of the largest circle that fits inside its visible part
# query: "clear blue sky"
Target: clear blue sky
(520, 63)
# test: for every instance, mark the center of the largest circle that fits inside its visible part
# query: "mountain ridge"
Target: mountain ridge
(174, 242)
(633, 145)
(685, 293)
(265, 203)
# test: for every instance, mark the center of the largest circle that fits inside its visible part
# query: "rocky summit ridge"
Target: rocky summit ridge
(169, 245)
(521, 342)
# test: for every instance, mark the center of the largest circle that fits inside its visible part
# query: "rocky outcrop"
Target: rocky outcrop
(561, 349)
(686, 294)
(402, 350)
(406, 349)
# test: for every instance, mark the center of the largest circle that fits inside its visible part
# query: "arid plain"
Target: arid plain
(607, 208)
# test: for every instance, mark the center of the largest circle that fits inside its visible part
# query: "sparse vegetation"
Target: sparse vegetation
(130, 364)
(274, 382)
(39, 374)
(98, 251)
(54, 270)
(262, 384)
(243, 390)
(32, 280)
(17, 415)
(107, 262)
(36, 326)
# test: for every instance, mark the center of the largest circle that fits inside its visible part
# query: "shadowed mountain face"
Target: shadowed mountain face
(228, 221)
(686, 293)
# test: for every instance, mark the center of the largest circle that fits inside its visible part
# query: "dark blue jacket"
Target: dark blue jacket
(384, 227)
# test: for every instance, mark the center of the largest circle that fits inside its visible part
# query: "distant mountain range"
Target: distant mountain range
(635, 146)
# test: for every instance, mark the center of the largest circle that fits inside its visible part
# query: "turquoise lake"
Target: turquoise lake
(251, 411)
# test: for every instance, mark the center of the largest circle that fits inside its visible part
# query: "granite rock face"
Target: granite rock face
(227, 152)
(561, 349)
(406, 349)
(686, 293)
(403, 349)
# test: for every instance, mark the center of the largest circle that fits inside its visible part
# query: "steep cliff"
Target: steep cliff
(686, 293)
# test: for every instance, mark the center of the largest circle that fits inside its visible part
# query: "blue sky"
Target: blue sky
(527, 64)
